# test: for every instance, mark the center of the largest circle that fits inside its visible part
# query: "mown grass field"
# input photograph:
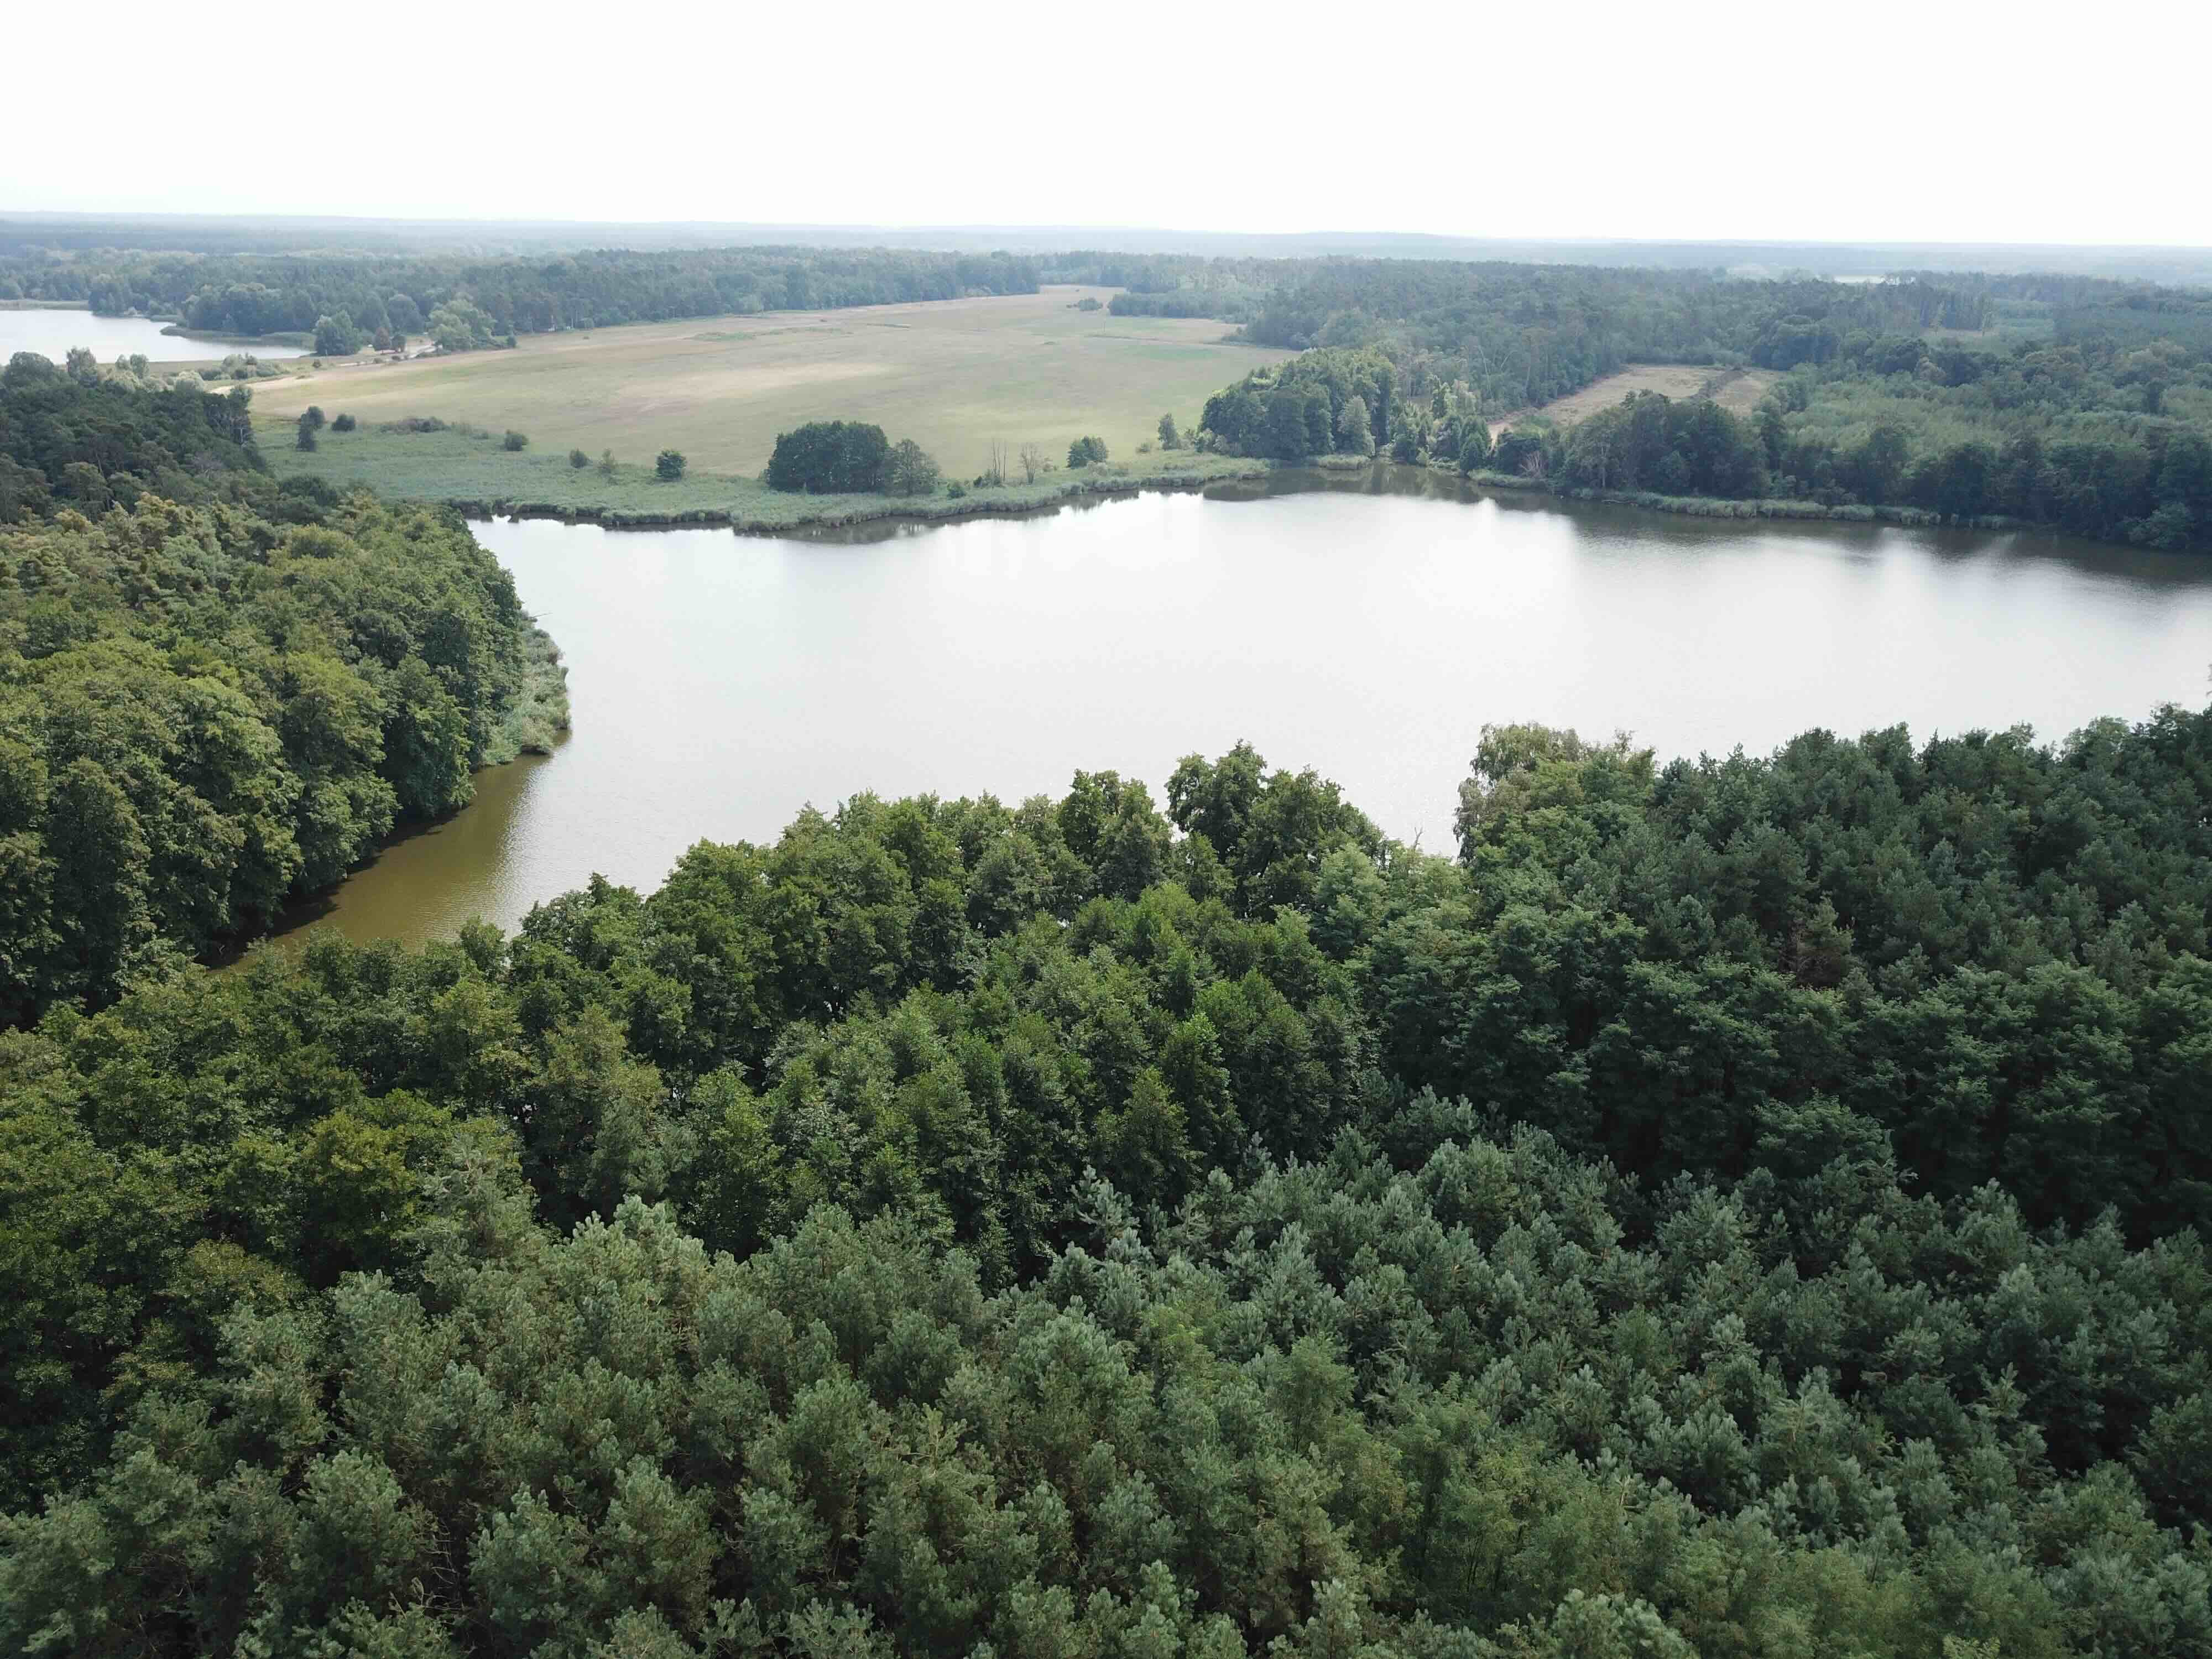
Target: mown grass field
(454, 467)
(1739, 393)
(954, 375)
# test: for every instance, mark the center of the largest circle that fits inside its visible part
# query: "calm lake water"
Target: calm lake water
(1366, 628)
(52, 334)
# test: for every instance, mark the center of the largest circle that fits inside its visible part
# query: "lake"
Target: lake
(1366, 627)
(50, 333)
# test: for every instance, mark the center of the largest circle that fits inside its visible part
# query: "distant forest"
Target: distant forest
(257, 294)
(72, 234)
(2082, 403)
(2073, 402)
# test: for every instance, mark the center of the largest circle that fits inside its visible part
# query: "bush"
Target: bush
(578, 459)
(514, 440)
(308, 488)
(606, 464)
(1084, 451)
(954, 491)
(668, 465)
(344, 424)
(830, 458)
(909, 471)
(313, 420)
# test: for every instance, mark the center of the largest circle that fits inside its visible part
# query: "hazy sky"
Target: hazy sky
(1928, 121)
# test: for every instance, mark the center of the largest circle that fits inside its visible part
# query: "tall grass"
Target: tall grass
(541, 712)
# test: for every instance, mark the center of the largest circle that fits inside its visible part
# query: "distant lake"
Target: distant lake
(50, 333)
(1365, 627)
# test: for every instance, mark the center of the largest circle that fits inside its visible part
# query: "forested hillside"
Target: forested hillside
(1749, 1206)
(216, 695)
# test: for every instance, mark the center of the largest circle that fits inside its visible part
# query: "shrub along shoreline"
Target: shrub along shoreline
(1014, 502)
(481, 480)
(1706, 507)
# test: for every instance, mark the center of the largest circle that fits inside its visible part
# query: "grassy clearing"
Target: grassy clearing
(953, 375)
(1671, 379)
(1742, 392)
(1737, 391)
(476, 471)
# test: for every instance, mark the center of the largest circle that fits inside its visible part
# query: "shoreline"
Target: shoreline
(1773, 509)
(756, 511)
(534, 729)
(895, 510)
(1777, 508)
(286, 341)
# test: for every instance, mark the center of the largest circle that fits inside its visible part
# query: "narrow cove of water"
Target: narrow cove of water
(51, 331)
(720, 683)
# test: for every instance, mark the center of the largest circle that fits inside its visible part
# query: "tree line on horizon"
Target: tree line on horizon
(251, 294)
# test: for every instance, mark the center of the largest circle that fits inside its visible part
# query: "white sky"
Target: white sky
(1878, 121)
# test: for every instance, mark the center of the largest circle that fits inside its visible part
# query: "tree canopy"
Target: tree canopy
(849, 457)
(1745, 1207)
(210, 707)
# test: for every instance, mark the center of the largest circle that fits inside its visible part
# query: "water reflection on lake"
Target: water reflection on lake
(50, 333)
(1365, 626)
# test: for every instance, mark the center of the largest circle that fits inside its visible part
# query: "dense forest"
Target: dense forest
(1746, 1206)
(273, 293)
(85, 437)
(216, 695)
(1521, 335)
(2085, 404)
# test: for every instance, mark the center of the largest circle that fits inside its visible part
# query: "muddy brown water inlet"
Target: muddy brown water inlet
(1365, 627)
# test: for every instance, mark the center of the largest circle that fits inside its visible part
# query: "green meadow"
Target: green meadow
(957, 376)
(472, 467)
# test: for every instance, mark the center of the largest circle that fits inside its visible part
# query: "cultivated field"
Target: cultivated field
(1739, 393)
(953, 375)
